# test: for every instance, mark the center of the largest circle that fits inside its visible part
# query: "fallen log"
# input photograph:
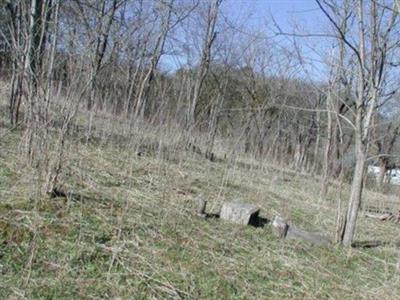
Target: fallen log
(379, 217)
(377, 209)
(386, 217)
(375, 244)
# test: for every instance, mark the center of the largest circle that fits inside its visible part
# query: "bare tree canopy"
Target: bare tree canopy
(287, 90)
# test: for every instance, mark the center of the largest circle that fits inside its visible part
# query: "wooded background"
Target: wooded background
(183, 66)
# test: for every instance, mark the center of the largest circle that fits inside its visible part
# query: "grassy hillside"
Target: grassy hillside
(128, 230)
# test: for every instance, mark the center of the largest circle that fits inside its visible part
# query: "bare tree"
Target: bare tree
(371, 50)
(209, 38)
(165, 10)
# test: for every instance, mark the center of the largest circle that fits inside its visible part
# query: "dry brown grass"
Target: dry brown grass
(128, 229)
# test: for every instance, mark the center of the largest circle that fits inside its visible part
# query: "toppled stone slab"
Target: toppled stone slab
(311, 237)
(283, 230)
(239, 213)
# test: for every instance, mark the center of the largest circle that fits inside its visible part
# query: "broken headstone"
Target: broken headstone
(239, 213)
(280, 227)
(201, 207)
(283, 230)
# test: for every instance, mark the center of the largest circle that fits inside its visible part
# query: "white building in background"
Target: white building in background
(395, 176)
(392, 176)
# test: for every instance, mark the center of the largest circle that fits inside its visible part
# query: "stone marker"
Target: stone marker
(239, 213)
(311, 237)
(280, 227)
(201, 207)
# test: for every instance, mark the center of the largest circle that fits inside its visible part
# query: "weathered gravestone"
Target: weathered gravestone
(280, 227)
(239, 213)
(201, 207)
(283, 230)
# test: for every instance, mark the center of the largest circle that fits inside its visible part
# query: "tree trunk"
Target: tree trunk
(315, 161)
(327, 152)
(356, 192)
(145, 85)
(31, 76)
(209, 38)
(382, 172)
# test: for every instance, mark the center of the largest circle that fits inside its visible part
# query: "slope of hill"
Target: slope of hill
(127, 229)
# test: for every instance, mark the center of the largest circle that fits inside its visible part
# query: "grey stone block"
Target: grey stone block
(239, 213)
(280, 227)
